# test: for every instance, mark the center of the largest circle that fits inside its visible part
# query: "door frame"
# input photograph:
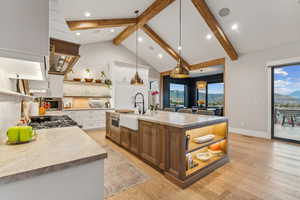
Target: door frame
(272, 104)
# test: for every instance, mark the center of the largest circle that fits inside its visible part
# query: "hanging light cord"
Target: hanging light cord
(136, 42)
(180, 47)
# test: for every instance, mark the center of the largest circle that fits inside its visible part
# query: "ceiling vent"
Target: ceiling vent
(224, 12)
(151, 48)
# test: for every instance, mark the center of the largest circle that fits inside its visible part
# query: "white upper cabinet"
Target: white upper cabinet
(56, 86)
(24, 29)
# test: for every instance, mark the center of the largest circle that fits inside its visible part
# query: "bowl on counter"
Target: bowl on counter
(98, 81)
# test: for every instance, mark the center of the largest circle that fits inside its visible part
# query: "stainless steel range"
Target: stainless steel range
(45, 122)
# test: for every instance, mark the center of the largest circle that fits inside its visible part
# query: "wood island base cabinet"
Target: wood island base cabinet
(171, 150)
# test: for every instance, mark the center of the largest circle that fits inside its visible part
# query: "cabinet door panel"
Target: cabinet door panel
(134, 142)
(108, 122)
(149, 141)
(115, 134)
(125, 137)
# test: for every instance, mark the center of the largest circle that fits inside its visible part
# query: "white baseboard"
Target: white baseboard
(252, 133)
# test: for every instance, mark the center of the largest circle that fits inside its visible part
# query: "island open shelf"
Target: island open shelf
(165, 140)
(218, 130)
(200, 164)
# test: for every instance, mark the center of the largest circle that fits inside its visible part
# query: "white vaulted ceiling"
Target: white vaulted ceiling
(261, 25)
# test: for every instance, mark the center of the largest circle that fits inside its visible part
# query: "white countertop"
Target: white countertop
(180, 120)
(54, 149)
(78, 109)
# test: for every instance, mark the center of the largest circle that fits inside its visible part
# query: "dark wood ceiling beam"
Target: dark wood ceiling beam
(214, 62)
(99, 23)
(215, 27)
(210, 63)
(148, 14)
(155, 37)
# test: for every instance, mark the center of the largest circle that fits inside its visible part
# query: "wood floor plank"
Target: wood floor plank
(259, 169)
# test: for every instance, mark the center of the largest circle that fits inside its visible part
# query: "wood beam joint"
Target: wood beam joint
(148, 14)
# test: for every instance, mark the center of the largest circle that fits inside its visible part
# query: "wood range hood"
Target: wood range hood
(63, 56)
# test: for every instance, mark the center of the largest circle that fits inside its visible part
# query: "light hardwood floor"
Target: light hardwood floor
(258, 169)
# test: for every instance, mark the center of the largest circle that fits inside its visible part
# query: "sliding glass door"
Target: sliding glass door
(286, 103)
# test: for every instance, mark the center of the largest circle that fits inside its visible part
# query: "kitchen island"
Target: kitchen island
(63, 163)
(165, 140)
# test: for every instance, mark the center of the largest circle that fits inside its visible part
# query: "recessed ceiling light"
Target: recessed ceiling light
(140, 39)
(179, 47)
(87, 14)
(112, 30)
(77, 33)
(160, 56)
(234, 27)
(208, 36)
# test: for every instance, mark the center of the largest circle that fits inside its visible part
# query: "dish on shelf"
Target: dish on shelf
(204, 139)
(215, 153)
(205, 156)
(77, 79)
(89, 80)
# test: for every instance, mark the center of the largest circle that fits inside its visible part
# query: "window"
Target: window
(177, 94)
(286, 102)
(215, 94)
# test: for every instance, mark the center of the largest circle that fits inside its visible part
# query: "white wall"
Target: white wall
(246, 89)
(123, 91)
(98, 57)
(10, 112)
(24, 29)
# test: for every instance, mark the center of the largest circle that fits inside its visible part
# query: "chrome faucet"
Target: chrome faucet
(143, 102)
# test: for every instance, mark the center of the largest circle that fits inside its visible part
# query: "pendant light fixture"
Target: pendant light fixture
(179, 71)
(136, 80)
(201, 84)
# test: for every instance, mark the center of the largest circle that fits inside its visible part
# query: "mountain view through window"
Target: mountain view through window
(215, 94)
(287, 86)
(177, 93)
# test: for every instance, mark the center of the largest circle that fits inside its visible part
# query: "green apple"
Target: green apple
(13, 134)
(25, 133)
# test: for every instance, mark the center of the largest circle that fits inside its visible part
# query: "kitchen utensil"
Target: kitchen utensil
(205, 156)
(98, 81)
(204, 139)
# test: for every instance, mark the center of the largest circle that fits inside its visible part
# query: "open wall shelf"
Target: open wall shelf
(7, 95)
(85, 83)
